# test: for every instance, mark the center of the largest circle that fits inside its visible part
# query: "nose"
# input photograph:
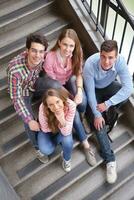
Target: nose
(55, 106)
(106, 61)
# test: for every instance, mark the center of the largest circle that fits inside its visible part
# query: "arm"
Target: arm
(89, 83)
(15, 89)
(126, 82)
(69, 118)
(43, 120)
(79, 85)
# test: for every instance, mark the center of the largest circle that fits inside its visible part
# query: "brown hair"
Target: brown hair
(52, 120)
(109, 45)
(38, 38)
(77, 57)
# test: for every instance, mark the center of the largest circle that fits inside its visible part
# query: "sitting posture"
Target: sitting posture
(105, 94)
(56, 115)
(63, 64)
(23, 76)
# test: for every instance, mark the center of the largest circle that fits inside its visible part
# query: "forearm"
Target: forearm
(22, 110)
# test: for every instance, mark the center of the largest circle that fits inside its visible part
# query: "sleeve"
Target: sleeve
(89, 83)
(126, 83)
(43, 120)
(15, 90)
(49, 65)
(69, 117)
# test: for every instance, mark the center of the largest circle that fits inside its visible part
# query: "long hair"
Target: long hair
(77, 57)
(52, 120)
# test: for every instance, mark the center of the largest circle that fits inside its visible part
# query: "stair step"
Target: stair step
(6, 190)
(14, 142)
(23, 15)
(106, 189)
(7, 7)
(65, 181)
(120, 194)
(94, 183)
(70, 178)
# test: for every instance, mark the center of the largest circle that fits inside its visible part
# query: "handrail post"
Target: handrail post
(103, 13)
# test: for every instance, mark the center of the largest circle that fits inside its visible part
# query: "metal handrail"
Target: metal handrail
(101, 26)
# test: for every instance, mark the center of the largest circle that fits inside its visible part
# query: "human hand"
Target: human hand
(61, 118)
(101, 107)
(34, 125)
(99, 122)
(78, 97)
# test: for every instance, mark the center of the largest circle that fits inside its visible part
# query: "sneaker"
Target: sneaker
(66, 165)
(111, 172)
(90, 156)
(42, 157)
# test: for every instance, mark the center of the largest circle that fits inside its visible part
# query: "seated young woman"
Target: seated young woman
(63, 66)
(57, 113)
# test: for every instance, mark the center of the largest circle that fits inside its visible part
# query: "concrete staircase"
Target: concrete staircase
(22, 174)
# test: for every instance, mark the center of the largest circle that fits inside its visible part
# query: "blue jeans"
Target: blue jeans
(32, 135)
(105, 146)
(48, 141)
(71, 87)
(102, 95)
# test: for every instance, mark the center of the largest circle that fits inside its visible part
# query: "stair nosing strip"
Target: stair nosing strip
(23, 14)
(29, 175)
(44, 165)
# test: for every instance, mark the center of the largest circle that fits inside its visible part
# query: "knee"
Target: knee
(45, 150)
(56, 84)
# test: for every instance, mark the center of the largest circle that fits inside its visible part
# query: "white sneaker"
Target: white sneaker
(111, 172)
(66, 165)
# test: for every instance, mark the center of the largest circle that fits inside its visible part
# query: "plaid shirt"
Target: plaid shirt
(21, 81)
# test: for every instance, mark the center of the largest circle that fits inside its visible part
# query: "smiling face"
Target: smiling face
(35, 54)
(107, 59)
(55, 104)
(67, 46)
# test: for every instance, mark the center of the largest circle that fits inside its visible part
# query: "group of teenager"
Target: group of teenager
(67, 87)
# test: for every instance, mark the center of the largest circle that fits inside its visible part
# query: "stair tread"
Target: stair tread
(81, 168)
(7, 7)
(120, 194)
(6, 190)
(33, 26)
(94, 183)
(19, 13)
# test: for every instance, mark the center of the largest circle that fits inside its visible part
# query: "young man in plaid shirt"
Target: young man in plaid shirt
(24, 82)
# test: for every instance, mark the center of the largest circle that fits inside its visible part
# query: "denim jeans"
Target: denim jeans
(48, 141)
(32, 135)
(71, 87)
(101, 96)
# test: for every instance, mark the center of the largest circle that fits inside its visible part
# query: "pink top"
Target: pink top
(53, 66)
(69, 117)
